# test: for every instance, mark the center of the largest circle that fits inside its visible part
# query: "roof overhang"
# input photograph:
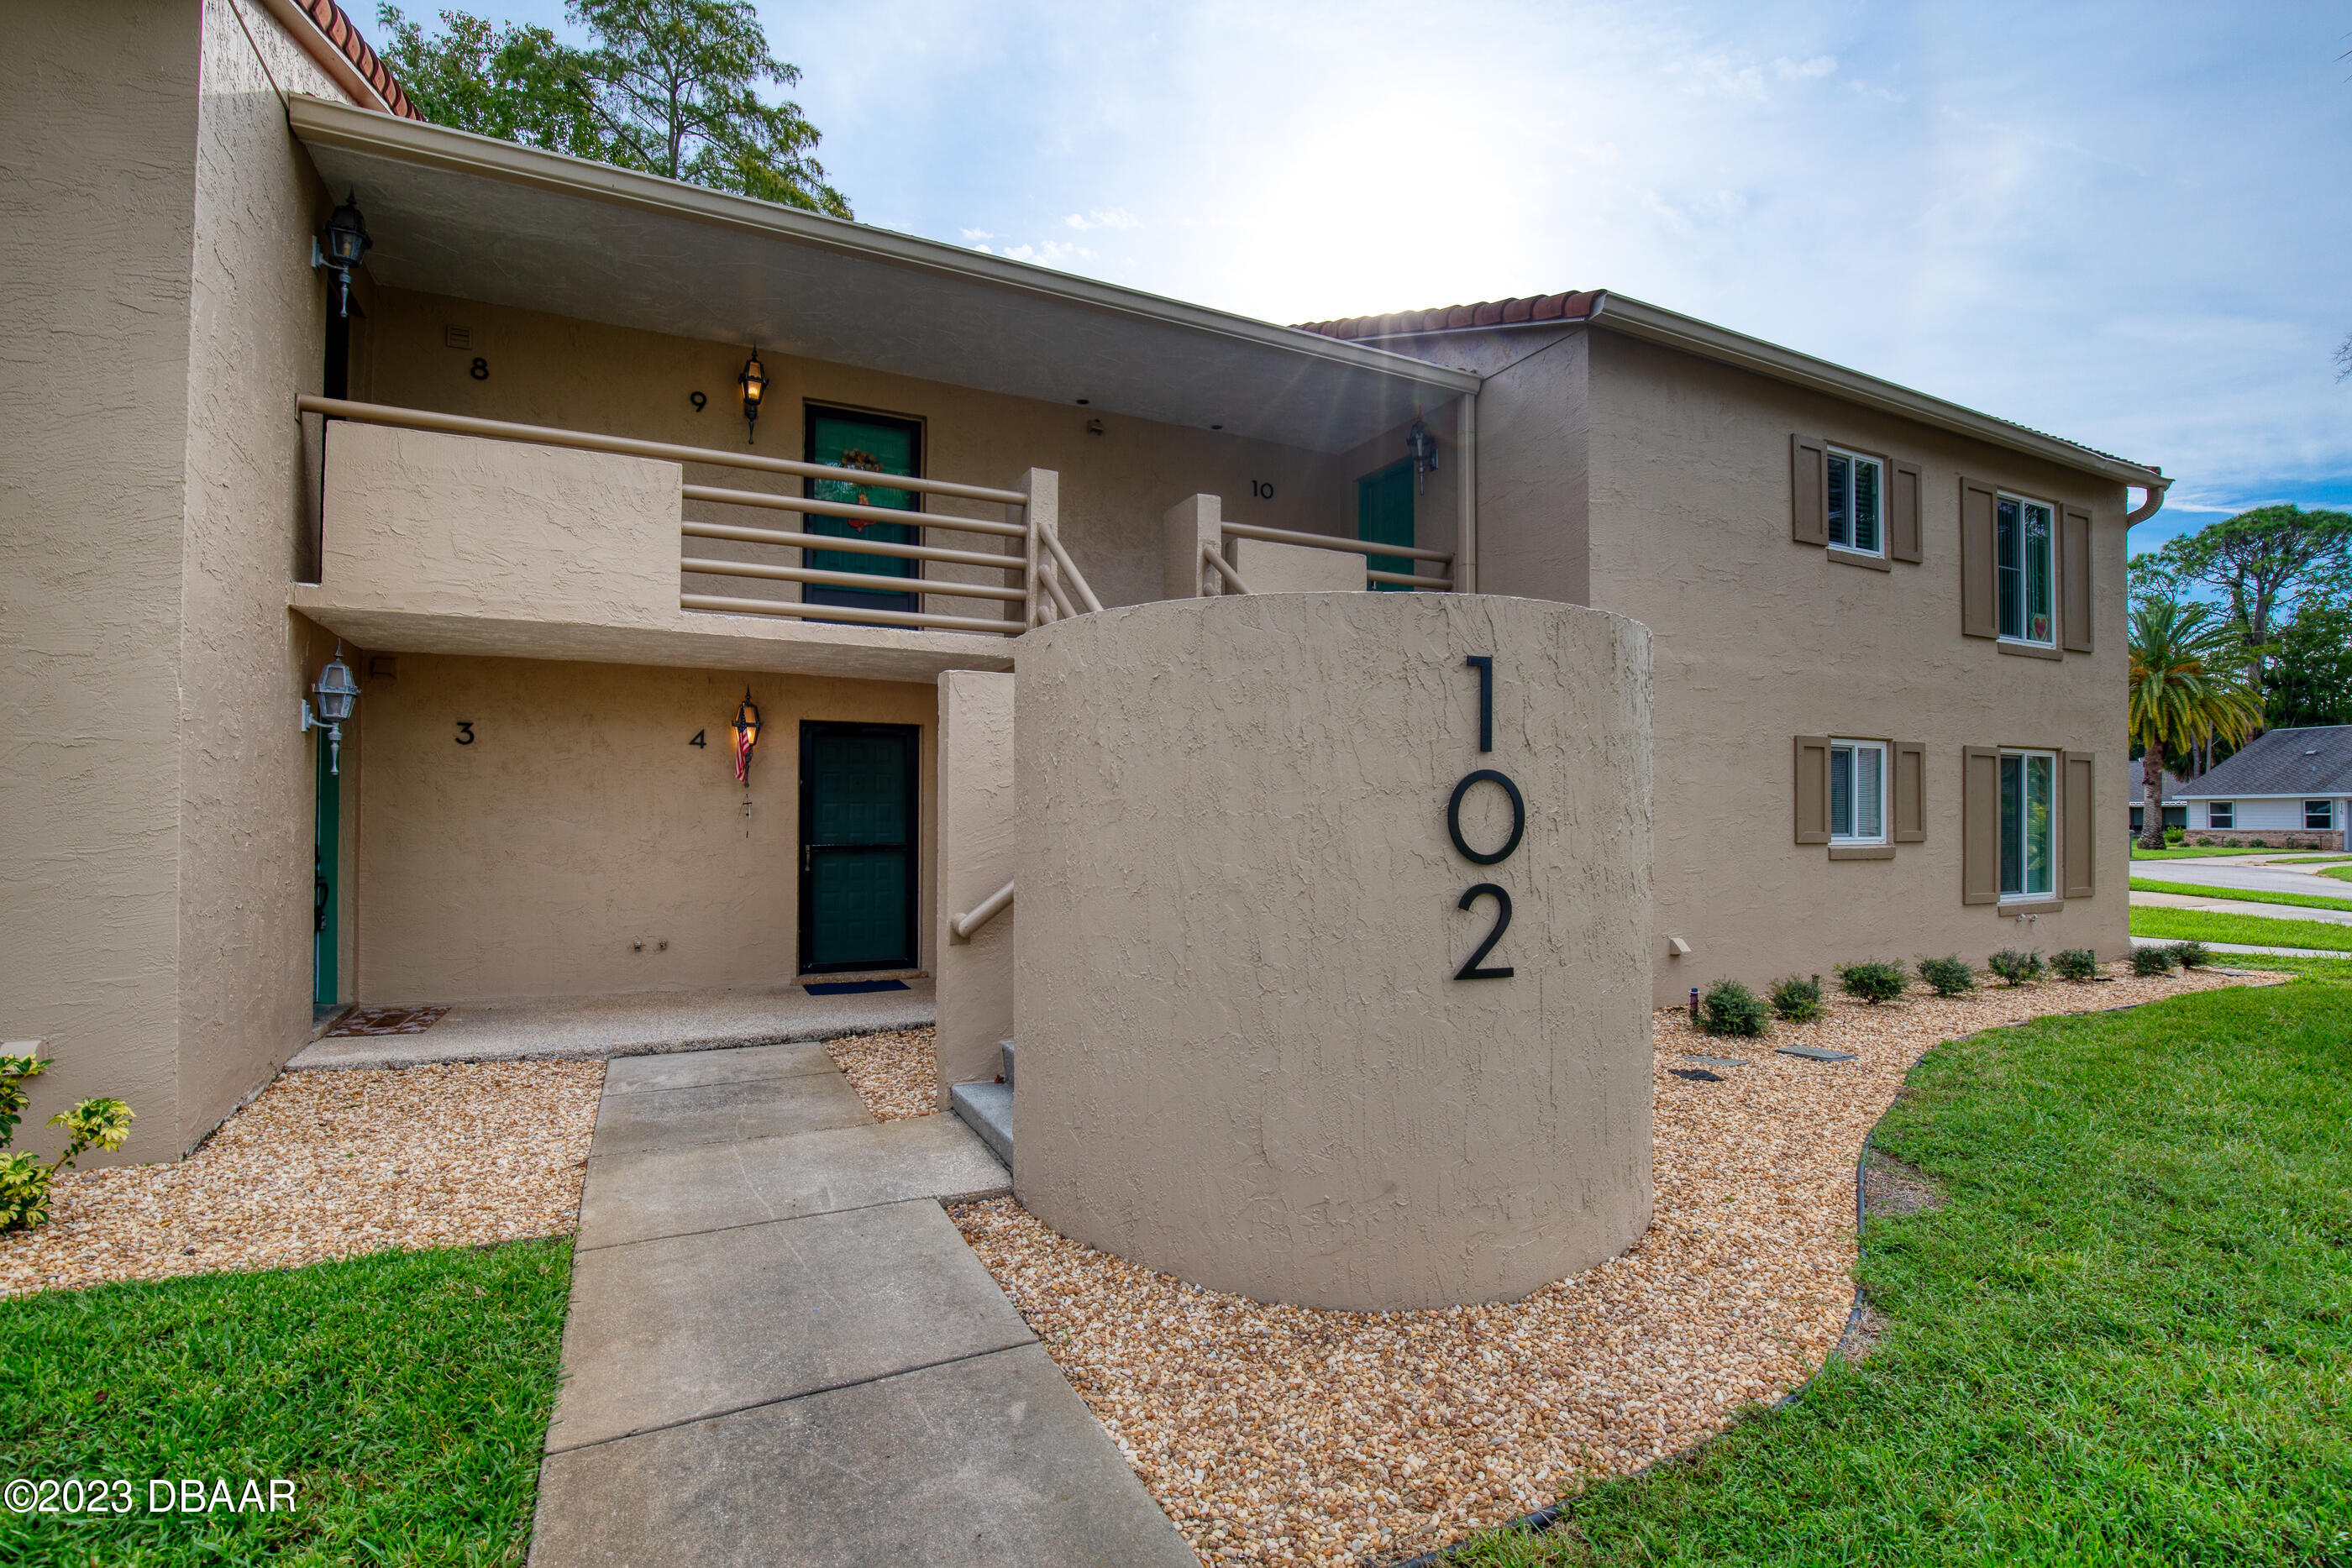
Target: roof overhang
(476, 218)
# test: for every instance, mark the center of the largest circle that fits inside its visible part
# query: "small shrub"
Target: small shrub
(2015, 964)
(2151, 961)
(2075, 964)
(1730, 1007)
(25, 1181)
(1950, 977)
(2192, 955)
(1798, 999)
(2172, 837)
(1873, 981)
(2257, 843)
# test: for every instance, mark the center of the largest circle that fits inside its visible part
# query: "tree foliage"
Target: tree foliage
(2310, 681)
(2263, 563)
(2184, 687)
(668, 87)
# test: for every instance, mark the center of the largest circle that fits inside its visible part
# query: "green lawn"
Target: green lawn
(2187, 852)
(404, 1395)
(2259, 930)
(2342, 873)
(2252, 895)
(2125, 1339)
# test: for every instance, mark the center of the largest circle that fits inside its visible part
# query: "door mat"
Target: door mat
(385, 1020)
(846, 987)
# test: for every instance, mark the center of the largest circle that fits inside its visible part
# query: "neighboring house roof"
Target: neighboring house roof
(2283, 762)
(340, 48)
(1598, 307)
(2174, 785)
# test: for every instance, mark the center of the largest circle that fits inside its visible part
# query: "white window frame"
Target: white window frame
(2327, 808)
(1853, 461)
(2228, 809)
(1878, 750)
(2025, 756)
(2025, 571)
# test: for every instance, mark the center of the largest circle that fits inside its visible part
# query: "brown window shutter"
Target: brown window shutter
(1910, 792)
(1809, 490)
(2077, 837)
(1903, 536)
(1979, 824)
(1813, 788)
(1978, 615)
(2074, 580)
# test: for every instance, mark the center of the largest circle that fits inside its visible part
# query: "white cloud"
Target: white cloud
(1813, 70)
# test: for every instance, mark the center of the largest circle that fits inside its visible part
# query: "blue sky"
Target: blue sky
(2125, 223)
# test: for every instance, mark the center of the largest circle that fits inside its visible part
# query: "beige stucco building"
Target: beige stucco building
(517, 487)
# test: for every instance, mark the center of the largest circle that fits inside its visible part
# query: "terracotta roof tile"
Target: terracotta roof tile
(1568, 307)
(340, 30)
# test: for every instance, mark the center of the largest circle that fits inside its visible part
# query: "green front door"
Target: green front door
(326, 837)
(877, 445)
(858, 797)
(1384, 517)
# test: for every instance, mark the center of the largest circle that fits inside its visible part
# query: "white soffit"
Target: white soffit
(476, 219)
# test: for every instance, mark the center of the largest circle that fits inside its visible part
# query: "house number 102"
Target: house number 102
(1475, 968)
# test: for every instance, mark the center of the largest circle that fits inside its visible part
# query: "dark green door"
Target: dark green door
(326, 838)
(858, 798)
(1384, 517)
(877, 445)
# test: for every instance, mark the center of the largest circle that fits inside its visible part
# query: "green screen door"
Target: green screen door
(858, 801)
(1384, 517)
(876, 444)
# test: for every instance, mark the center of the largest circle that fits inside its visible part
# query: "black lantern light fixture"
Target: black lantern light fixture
(345, 246)
(338, 693)
(1422, 447)
(754, 383)
(746, 736)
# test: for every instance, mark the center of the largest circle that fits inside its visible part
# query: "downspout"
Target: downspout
(2147, 508)
(1465, 457)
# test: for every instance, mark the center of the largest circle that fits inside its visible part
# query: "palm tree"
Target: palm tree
(2184, 689)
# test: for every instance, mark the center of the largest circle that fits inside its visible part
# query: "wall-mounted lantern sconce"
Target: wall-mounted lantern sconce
(338, 693)
(746, 736)
(1422, 447)
(346, 245)
(754, 383)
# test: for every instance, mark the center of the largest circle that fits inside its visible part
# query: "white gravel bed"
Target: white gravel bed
(326, 1164)
(895, 1074)
(1282, 1435)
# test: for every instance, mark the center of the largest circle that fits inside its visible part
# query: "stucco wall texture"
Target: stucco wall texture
(978, 816)
(1239, 929)
(580, 819)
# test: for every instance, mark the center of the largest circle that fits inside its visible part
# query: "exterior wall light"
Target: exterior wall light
(746, 736)
(338, 693)
(347, 245)
(754, 381)
(1422, 447)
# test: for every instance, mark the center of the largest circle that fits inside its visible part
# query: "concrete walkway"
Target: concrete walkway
(2243, 948)
(2223, 905)
(591, 1028)
(781, 1352)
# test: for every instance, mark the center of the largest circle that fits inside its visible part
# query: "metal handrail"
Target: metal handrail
(986, 910)
(628, 446)
(854, 544)
(1216, 558)
(844, 612)
(713, 567)
(774, 502)
(1326, 542)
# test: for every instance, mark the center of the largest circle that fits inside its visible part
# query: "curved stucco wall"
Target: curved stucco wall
(1245, 1058)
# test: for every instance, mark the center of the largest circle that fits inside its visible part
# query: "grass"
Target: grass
(2241, 896)
(2258, 930)
(2127, 1338)
(2342, 873)
(405, 1394)
(2187, 852)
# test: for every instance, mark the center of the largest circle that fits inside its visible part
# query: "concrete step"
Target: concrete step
(987, 1109)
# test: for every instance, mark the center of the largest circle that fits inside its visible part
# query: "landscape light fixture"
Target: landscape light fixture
(746, 736)
(754, 381)
(338, 693)
(1422, 447)
(347, 245)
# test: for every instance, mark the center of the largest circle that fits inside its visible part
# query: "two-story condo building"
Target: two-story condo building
(578, 467)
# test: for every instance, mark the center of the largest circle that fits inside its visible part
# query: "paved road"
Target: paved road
(2223, 875)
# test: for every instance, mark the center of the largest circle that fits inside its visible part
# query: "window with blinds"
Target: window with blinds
(1857, 791)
